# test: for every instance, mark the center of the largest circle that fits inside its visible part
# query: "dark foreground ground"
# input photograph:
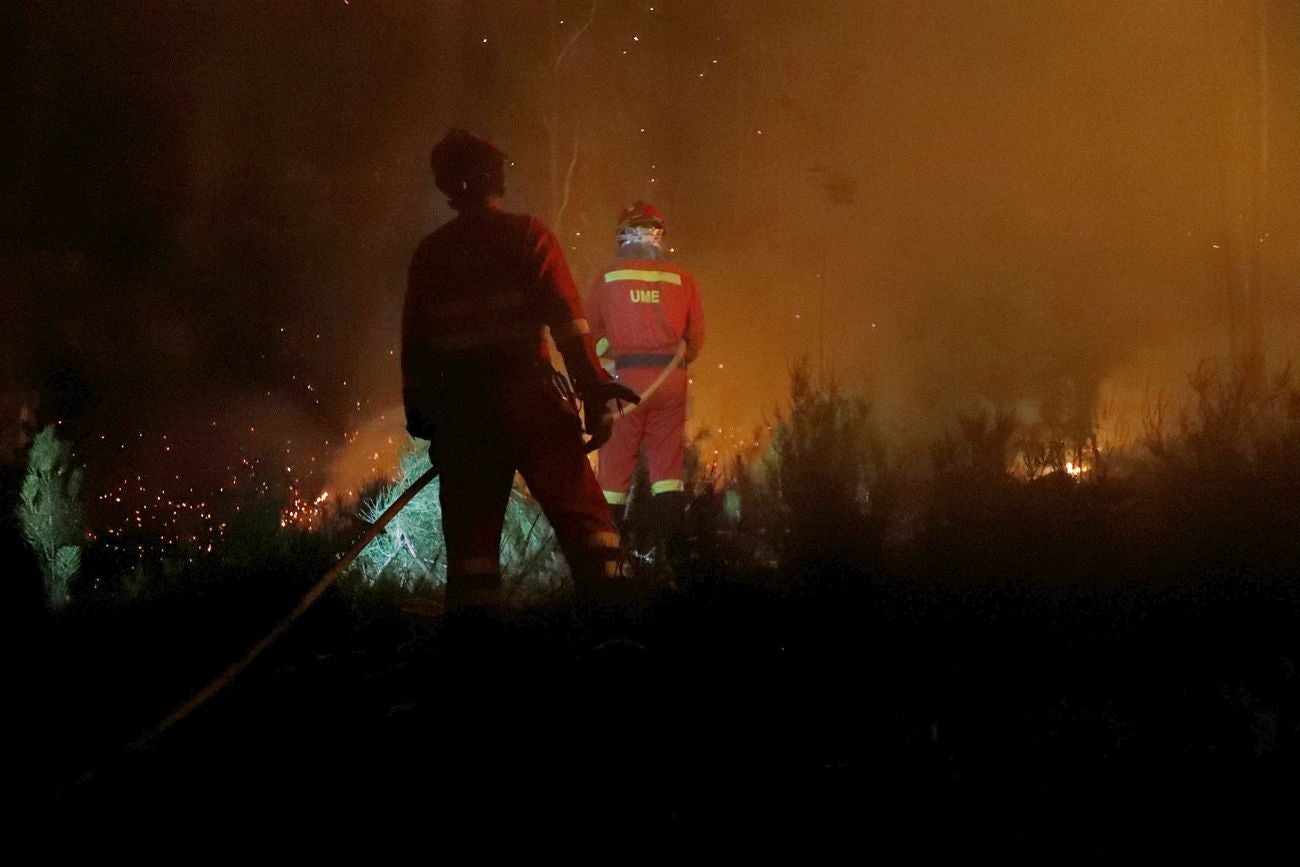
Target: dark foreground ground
(870, 715)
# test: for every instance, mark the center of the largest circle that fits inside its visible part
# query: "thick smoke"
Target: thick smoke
(943, 205)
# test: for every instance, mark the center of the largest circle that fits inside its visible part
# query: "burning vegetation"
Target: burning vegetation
(817, 488)
(1003, 507)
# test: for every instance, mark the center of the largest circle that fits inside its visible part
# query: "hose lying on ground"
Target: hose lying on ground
(218, 683)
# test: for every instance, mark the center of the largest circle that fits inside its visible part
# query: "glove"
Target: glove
(599, 426)
(602, 392)
(596, 399)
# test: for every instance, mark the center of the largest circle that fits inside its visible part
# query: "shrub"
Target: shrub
(411, 551)
(1223, 488)
(49, 511)
(823, 478)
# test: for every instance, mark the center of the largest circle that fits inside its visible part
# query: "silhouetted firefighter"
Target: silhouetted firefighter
(478, 384)
(646, 315)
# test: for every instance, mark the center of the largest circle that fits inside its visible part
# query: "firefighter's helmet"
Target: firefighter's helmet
(468, 167)
(642, 223)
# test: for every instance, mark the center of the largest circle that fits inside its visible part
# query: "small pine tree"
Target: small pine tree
(411, 551)
(49, 511)
(822, 470)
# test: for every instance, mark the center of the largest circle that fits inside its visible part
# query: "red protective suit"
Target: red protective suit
(645, 308)
(477, 382)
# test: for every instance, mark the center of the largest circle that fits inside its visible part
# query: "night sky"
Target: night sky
(206, 209)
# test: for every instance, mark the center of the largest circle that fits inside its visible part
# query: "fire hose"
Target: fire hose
(327, 580)
(601, 435)
(317, 590)
(658, 380)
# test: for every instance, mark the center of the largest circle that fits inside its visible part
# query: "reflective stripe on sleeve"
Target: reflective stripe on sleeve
(503, 333)
(608, 539)
(615, 498)
(643, 276)
(478, 304)
(667, 485)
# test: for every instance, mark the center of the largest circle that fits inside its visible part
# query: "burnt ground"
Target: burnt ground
(870, 714)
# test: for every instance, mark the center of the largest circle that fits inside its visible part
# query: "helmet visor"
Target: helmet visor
(650, 234)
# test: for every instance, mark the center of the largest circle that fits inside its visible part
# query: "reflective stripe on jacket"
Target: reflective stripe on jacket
(646, 307)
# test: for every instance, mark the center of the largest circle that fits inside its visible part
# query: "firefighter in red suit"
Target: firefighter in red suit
(478, 384)
(646, 317)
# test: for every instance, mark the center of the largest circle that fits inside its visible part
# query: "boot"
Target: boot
(670, 526)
